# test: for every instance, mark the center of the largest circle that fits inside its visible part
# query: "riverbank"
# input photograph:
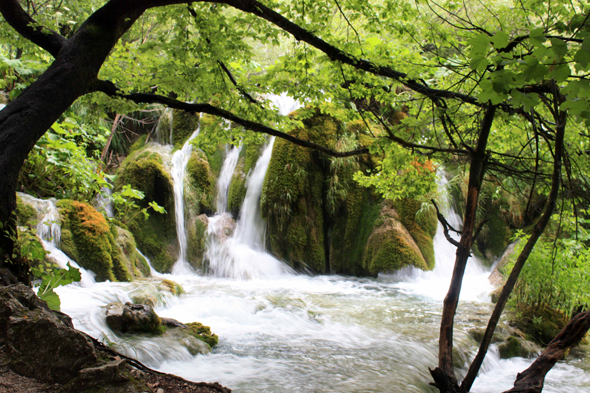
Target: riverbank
(40, 351)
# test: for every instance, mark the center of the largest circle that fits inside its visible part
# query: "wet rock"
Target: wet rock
(138, 318)
(39, 343)
(517, 346)
(171, 286)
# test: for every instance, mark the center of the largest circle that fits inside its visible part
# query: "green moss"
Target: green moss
(389, 251)
(171, 286)
(540, 324)
(90, 239)
(184, 125)
(203, 333)
(422, 227)
(197, 235)
(127, 263)
(137, 145)
(25, 214)
(156, 236)
(293, 195)
(352, 227)
(202, 184)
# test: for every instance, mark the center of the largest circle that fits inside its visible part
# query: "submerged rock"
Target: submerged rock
(134, 318)
(141, 319)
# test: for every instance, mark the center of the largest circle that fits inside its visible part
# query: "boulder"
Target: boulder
(30, 331)
(134, 318)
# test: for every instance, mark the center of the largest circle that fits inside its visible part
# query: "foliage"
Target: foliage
(126, 209)
(557, 276)
(52, 278)
(59, 166)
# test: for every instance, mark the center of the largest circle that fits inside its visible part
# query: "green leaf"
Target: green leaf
(52, 299)
(559, 47)
(500, 40)
(537, 36)
(560, 73)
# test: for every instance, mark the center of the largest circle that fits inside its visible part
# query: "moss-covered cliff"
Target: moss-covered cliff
(319, 218)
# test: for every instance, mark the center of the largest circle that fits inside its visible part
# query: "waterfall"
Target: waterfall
(153, 272)
(242, 256)
(435, 284)
(179, 163)
(49, 231)
(227, 171)
(250, 229)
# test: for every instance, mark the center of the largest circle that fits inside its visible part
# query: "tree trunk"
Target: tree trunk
(444, 374)
(538, 230)
(29, 116)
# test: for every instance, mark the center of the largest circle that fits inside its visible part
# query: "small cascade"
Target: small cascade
(227, 171)
(179, 163)
(435, 284)
(153, 272)
(49, 231)
(164, 128)
(250, 229)
(242, 256)
(104, 202)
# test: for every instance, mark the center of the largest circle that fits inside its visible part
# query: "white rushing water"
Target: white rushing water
(282, 332)
(435, 284)
(225, 176)
(242, 255)
(179, 163)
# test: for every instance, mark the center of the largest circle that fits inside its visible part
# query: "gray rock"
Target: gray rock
(139, 318)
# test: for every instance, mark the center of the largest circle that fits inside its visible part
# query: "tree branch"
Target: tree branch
(533, 378)
(446, 226)
(110, 89)
(26, 26)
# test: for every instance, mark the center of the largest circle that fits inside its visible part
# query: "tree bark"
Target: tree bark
(444, 374)
(533, 378)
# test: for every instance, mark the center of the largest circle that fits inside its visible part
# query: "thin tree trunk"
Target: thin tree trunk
(522, 258)
(103, 156)
(444, 374)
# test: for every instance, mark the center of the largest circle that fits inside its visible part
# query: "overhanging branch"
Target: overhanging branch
(145, 98)
(26, 26)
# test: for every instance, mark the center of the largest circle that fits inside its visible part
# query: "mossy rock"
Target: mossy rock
(87, 238)
(171, 286)
(126, 259)
(203, 333)
(422, 226)
(391, 246)
(25, 214)
(293, 195)
(184, 125)
(540, 324)
(517, 347)
(156, 237)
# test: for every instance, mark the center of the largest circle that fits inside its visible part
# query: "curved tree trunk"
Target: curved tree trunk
(30, 115)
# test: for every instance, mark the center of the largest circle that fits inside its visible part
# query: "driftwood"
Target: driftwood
(532, 379)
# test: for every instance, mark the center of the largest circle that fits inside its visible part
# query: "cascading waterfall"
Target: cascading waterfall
(227, 171)
(242, 256)
(49, 231)
(179, 163)
(435, 284)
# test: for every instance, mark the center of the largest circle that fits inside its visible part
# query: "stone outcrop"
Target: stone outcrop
(43, 352)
